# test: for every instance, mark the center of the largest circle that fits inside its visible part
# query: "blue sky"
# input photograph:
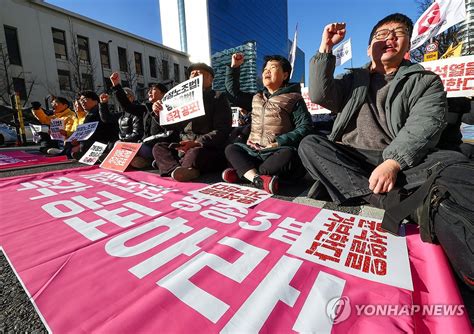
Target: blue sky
(142, 17)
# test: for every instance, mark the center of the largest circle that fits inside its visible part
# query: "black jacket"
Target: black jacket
(129, 127)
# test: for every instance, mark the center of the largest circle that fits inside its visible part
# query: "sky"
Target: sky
(142, 18)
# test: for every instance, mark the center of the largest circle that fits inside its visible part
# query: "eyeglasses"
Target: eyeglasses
(385, 33)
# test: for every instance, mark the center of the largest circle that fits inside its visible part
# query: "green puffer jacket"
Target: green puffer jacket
(415, 110)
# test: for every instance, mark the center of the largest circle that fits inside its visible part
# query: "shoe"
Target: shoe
(154, 165)
(54, 151)
(266, 182)
(229, 175)
(77, 155)
(140, 162)
(183, 174)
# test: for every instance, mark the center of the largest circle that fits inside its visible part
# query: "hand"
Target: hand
(104, 98)
(255, 146)
(115, 78)
(74, 142)
(186, 145)
(63, 132)
(333, 33)
(383, 178)
(157, 107)
(272, 145)
(237, 60)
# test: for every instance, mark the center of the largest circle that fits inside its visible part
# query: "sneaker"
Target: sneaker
(183, 174)
(54, 151)
(154, 165)
(230, 175)
(266, 182)
(140, 162)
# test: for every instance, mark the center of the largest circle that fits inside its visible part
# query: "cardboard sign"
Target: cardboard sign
(133, 252)
(93, 153)
(121, 155)
(313, 108)
(183, 102)
(456, 73)
(83, 131)
(35, 130)
(355, 245)
(55, 127)
(233, 194)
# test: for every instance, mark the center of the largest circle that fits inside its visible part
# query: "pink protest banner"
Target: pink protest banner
(108, 252)
(17, 159)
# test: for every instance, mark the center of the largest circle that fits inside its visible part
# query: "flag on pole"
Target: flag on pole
(292, 55)
(343, 52)
(441, 15)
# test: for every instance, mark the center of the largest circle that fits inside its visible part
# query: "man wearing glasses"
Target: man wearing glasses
(390, 115)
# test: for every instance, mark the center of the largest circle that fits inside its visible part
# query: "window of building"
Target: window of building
(140, 92)
(13, 48)
(152, 67)
(138, 63)
(87, 81)
(20, 87)
(176, 72)
(104, 54)
(59, 40)
(122, 54)
(164, 66)
(83, 45)
(64, 80)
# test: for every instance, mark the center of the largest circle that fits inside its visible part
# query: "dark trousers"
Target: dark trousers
(345, 171)
(283, 162)
(202, 158)
(46, 142)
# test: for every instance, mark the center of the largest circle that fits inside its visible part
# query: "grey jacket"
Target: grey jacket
(415, 110)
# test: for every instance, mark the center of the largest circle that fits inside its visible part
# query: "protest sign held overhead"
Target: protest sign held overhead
(183, 102)
(55, 128)
(343, 52)
(83, 131)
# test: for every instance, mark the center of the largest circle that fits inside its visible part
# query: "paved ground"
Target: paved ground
(17, 314)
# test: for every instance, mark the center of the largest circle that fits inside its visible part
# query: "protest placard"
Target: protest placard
(83, 131)
(121, 155)
(35, 130)
(232, 194)
(93, 153)
(183, 102)
(456, 73)
(55, 127)
(313, 108)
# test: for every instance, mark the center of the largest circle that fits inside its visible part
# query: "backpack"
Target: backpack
(443, 207)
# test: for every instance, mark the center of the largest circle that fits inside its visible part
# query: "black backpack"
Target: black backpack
(443, 207)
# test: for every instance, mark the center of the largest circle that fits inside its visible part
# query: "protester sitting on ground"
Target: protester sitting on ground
(280, 119)
(104, 133)
(390, 117)
(202, 139)
(129, 127)
(61, 111)
(152, 131)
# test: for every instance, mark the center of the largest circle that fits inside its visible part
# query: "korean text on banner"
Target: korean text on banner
(313, 108)
(93, 153)
(121, 155)
(83, 131)
(441, 15)
(343, 52)
(456, 73)
(55, 128)
(232, 194)
(183, 102)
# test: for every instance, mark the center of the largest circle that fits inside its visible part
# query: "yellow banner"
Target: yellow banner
(431, 56)
(452, 51)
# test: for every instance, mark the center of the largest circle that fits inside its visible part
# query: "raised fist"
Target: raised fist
(115, 78)
(333, 33)
(104, 98)
(237, 60)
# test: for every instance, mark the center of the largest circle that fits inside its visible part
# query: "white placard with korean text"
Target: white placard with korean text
(355, 245)
(83, 131)
(55, 128)
(93, 153)
(313, 108)
(232, 194)
(457, 74)
(183, 102)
